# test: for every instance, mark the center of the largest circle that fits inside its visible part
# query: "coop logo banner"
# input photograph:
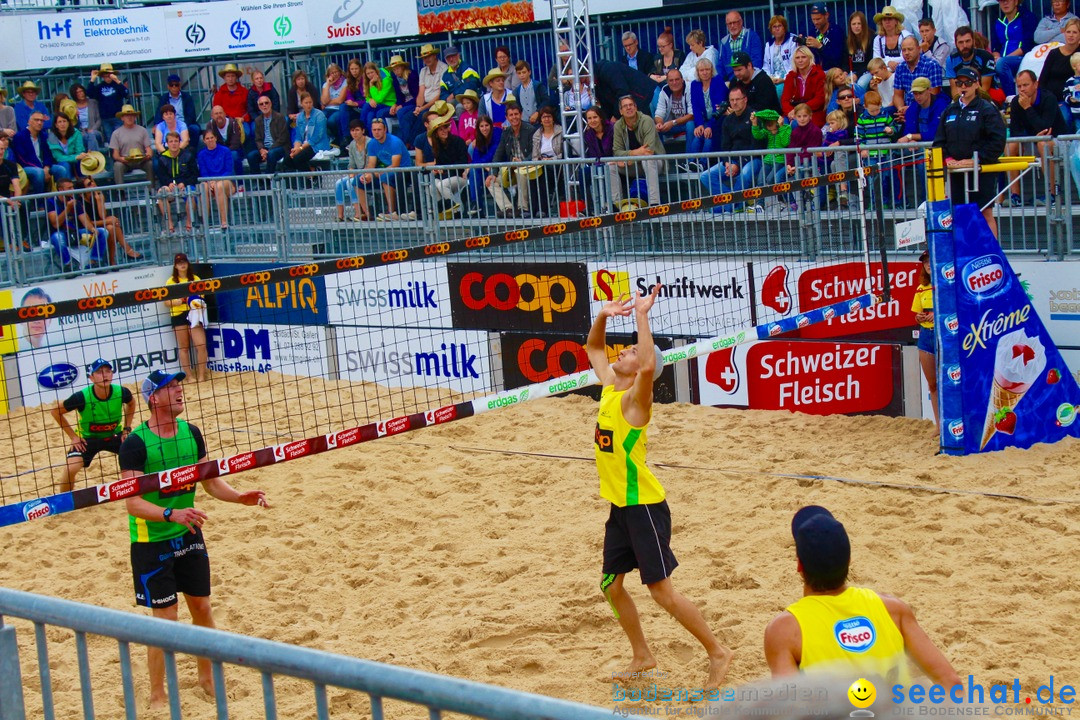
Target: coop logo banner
(519, 296)
(92, 37)
(345, 21)
(529, 358)
(296, 301)
(698, 299)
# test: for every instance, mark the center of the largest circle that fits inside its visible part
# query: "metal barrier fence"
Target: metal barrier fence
(381, 682)
(295, 217)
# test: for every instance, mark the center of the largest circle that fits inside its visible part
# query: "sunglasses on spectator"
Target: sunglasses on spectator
(844, 97)
(174, 84)
(965, 83)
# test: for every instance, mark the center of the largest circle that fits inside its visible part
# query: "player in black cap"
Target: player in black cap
(971, 124)
(839, 627)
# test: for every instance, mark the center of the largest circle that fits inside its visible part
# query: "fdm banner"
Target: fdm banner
(1001, 380)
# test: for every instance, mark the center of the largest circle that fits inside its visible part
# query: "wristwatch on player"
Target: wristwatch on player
(167, 515)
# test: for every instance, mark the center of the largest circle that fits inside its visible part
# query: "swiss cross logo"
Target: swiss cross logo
(722, 371)
(775, 293)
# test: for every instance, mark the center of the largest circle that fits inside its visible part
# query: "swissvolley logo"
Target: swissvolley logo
(855, 634)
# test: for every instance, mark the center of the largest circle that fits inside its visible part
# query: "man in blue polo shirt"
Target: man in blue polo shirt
(915, 65)
(1012, 38)
(967, 55)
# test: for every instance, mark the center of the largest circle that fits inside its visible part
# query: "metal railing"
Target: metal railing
(272, 659)
(295, 217)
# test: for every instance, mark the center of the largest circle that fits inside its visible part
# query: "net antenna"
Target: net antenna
(571, 33)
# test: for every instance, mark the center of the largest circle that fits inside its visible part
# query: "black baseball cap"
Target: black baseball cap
(740, 59)
(819, 9)
(966, 71)
(821, 542)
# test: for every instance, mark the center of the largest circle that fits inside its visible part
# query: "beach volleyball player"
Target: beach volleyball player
(836, 627)
(168, 553)
(638, 529)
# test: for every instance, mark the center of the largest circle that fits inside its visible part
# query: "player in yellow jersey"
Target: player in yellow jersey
(842, 628)
(638, 529)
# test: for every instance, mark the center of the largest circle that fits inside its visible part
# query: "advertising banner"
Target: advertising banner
(393, 296)
(89, 38)
(818, 378)
(698, 299)
(1003, 382)
(48, 375)
(234, 27)
(296, 301)
(520, 296)
(436, 16)
(784, 291)
(1054, 289)
(287, 349)
(45, 331)
(528, 359)
(396, 357)
(348, 21)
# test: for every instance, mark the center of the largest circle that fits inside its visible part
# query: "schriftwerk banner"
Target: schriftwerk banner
(1002, 381)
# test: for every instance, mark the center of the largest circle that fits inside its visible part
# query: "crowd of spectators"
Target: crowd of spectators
(851, 85)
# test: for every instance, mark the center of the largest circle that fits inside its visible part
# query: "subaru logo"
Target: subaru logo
(347, 9)
(195, 33)
(58, 375)
(282, 26)
(240, 30)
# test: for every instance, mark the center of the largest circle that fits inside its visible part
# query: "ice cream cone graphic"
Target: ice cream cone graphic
(1018, 362)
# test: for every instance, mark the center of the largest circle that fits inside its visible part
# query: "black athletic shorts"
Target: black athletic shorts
(639, 536)
(167, 567)
(96, 445)
(179, 320)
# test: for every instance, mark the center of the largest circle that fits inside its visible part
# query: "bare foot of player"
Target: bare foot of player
(718, 667)
(207, 685)
(639, 665)
(158, 702)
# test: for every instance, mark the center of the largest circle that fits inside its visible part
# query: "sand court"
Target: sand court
(473, 549)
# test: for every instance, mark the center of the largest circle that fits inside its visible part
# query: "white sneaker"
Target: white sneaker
(411, 215)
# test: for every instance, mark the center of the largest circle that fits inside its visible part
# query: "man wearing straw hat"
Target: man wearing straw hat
(638, 530)
(408, 91)
(130, 146)
(110, 94)
(232, 96)
(168, 552)
(430, 82)
(493, 104)
(30, 104)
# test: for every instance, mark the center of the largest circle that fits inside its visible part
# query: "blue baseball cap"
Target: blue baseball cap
(821, 542)
(157, 380)
(819, 9)
(98, 364)
(174, 78)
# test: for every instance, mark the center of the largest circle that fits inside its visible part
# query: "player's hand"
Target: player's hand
(253, 497)
(79, 444)
(644, 303)
(190, 517)
(619, 307)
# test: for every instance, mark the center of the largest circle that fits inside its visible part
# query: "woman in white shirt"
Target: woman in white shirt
(778, 53)
(698, 49)
(891, 33)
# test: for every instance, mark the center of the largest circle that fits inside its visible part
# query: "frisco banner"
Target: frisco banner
(818, 378)
(1003, 382)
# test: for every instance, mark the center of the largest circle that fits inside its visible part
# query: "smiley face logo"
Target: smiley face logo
(862, 693)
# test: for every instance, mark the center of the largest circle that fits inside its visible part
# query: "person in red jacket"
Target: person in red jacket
(804, 84)
(233, 97)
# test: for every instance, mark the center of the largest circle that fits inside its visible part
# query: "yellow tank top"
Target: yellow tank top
(851, 632)
(620, 456)
(182, 307)
(924, 300)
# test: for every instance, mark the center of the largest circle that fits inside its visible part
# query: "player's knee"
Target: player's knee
(166, 613)
(199, 606)
(663, 593)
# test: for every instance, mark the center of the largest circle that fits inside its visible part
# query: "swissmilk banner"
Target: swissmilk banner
(1002, 381)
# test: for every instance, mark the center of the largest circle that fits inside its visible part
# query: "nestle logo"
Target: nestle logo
(35, 510)
(948, 272)
(855, 634)
(956, 427)
(178, 477)
(984, 276)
